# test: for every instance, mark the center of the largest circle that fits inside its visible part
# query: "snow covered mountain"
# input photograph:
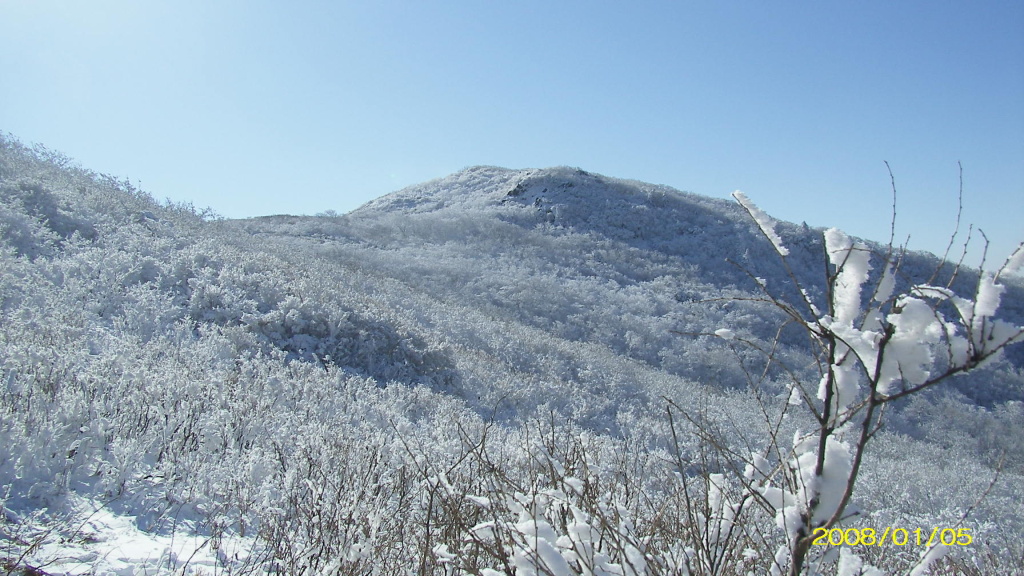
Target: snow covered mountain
(586, 258)
(308, 394)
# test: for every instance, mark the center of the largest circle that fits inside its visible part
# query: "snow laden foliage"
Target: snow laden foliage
(498, 372)
(764, 222)
(871, 351)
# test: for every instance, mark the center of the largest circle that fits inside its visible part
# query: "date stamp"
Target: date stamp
(892, 536)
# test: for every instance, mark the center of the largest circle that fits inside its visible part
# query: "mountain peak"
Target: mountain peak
(566, 197)
(489, 187)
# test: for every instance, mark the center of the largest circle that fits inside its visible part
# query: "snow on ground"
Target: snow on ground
(98, 541)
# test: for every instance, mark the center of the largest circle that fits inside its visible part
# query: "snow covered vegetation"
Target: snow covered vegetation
(501, 372)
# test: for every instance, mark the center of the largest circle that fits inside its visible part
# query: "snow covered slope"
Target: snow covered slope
(184, 394)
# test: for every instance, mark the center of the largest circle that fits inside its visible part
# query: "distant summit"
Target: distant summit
(658, 221)
(565, 197)
(491, 186)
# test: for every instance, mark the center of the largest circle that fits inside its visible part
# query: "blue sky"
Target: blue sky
(260, 107)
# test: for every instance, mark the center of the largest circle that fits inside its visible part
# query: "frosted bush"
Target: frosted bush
(871, 352)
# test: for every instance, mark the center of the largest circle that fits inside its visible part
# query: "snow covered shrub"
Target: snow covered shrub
(530, 501)
(33, 222)
(874, 345)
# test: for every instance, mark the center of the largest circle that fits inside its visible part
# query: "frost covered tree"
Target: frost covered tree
(874, 344)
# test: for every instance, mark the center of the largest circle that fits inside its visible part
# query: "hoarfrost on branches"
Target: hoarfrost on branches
(765, 222)
(871, 352)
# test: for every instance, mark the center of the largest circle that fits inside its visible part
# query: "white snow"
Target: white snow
(1016, 260)
(725, 334)
(765, 222)
(989, 295)
(851, 261)
(107, 543)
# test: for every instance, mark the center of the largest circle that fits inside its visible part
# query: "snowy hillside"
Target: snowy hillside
(497, 372)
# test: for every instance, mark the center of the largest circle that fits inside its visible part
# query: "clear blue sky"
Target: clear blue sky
(258, 107)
